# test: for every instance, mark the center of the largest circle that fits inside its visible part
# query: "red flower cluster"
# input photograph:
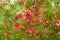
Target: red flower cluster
(18, 16)
(16, 26)
(47, 20)
(57, 23)
(28, 13)
(38, 34)
(29, 19)
(20, 1)
(30, 30)
(39, 17)
(37, 5)
(9, 32)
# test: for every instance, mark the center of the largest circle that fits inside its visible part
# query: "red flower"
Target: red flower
(47, 20)
(18, 16)
(30, 30)
(20, 1)
(27, 13)
(17, 26)
(29, 19)
(21, 15)
(38, 34)
(39, 17)
(9, 32)
(37, 5)
(57, 23)
(42, 21)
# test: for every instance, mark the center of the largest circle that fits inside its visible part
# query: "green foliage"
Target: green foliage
(8, 12)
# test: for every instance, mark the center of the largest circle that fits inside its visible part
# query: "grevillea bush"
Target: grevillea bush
(29, 20)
